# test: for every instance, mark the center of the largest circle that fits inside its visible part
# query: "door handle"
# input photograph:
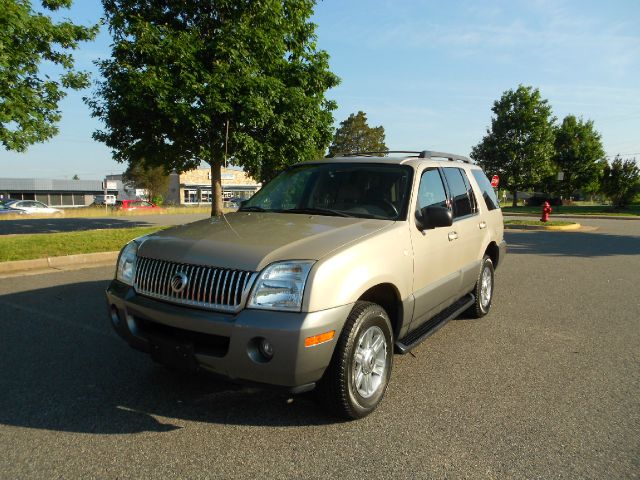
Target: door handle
(453, 236)
(482, 225)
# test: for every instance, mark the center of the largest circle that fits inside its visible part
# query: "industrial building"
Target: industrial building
(57, 193)
(194, 187)
(188, 188)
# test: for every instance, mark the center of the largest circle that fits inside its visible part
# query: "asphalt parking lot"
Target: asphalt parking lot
(546, 386)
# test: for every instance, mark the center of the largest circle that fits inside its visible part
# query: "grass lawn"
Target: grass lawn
(578, 210)
(97, 212)
(553, 223)
(41, 245)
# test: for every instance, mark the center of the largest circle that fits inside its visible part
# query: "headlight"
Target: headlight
(280, 286)
(126, 270)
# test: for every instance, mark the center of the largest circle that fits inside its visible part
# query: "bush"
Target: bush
(538, 200)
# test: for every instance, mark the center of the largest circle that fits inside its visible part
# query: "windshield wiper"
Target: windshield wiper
(321, 211)
(251, 209)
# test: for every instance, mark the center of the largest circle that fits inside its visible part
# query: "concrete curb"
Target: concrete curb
(573, 226)
(58, 263)
(568, 215)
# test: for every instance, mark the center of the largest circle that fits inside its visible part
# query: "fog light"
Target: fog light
(266, 349)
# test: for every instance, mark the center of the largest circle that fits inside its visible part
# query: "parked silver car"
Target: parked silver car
(33, 207)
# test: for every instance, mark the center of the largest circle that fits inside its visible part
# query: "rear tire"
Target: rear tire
(483, 290)
(355, 381)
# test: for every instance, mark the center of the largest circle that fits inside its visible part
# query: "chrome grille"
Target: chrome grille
(206, 287)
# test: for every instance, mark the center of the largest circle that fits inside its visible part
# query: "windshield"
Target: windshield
(342, 189)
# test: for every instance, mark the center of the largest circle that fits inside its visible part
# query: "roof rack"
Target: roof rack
(371, 154)
(423, 154)
(449, 156)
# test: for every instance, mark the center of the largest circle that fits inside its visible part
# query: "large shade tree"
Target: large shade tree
(578, 155)
(519, 144)
(355, 135)
(28, 97)
(209, 80)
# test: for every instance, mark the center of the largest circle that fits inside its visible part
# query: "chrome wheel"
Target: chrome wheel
(369, 362)
(486, 287)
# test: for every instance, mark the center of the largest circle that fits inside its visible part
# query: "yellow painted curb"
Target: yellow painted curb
(573, 226)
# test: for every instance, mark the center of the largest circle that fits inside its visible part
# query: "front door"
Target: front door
(436, 268)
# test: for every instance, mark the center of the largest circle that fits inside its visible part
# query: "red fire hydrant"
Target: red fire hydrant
(546, 210)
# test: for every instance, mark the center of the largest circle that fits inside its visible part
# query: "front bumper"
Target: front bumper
(226, 343)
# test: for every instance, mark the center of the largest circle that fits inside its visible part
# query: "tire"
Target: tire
(483, 290)
(357, 377)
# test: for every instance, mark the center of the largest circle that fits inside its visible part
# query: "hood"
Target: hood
(252, 240)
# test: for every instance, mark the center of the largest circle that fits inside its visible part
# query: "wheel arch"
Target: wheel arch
(493, 251)
(388, 297)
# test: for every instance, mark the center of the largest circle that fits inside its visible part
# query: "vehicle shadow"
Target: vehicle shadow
(60, 224)
(575, 244)
(65, 370)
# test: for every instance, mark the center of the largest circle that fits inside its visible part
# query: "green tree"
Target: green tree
(75, 177)
(154, 179)
(578, 151)
(355, 135)
(621, 181)
(29, 99)
(519, 144)
(206, 81)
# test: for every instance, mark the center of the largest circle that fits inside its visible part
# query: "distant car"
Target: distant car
(33, 207)
(233, 202)
(129, 205)
(104, 200)
(4, 210)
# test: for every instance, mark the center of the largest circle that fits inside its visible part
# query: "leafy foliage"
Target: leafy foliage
(28, 99)
(578, 154)
(154, 179)
(183, 74)
(355, 135)
(621, 181)
(519, 144)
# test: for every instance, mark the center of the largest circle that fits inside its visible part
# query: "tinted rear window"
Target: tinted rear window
(489, 195)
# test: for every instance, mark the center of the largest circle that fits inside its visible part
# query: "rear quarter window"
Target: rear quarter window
(489, 195)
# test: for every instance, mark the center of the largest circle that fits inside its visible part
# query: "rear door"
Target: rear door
(467, 230)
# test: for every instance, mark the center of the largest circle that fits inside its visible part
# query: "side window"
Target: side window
(431, 191)
(470, 194)
(488, 193)
(458, 190)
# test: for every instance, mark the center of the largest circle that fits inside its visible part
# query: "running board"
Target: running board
(431, 326)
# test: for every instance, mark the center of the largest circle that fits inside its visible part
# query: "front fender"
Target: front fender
(342, 277)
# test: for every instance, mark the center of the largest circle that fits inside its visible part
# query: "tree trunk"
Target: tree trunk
(216, 188)
(515, 198)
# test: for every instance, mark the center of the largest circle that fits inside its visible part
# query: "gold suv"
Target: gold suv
(319, 277)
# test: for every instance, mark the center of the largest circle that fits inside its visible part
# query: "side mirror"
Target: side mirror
(433, 216)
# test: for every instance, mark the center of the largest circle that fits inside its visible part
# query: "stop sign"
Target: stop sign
(495, 180)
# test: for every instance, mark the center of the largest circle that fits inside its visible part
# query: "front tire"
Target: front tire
(357, 378)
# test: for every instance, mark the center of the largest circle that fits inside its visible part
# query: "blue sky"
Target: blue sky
(427, 71)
